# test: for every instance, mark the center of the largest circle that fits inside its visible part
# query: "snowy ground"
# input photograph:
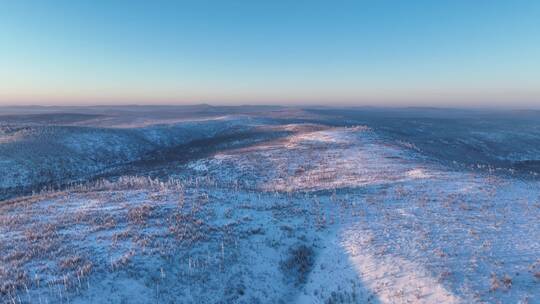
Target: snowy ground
(326, 215)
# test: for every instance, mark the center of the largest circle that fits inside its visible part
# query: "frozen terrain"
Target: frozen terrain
(273, 208)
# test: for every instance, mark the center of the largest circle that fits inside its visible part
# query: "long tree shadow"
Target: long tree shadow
(334, 278)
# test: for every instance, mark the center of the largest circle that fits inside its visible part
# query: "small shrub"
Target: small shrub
(299, 262)
(507, 281)
(495, 284)
(70, 262)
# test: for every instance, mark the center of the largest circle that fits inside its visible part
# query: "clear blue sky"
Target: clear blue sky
(289, 52)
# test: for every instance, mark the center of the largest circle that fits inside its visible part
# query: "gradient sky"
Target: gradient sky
(288, 52)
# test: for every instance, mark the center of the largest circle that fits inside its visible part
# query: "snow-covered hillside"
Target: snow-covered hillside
(33, 157)
(325, 215)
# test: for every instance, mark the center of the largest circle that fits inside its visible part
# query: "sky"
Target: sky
(427, 53)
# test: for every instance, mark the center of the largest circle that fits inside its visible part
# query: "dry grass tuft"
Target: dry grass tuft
(140, 214)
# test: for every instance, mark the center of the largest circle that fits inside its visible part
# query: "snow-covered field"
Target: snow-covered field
(324, 215)
(412, 231)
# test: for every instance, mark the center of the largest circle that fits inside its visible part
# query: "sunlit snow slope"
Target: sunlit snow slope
(325, 215)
